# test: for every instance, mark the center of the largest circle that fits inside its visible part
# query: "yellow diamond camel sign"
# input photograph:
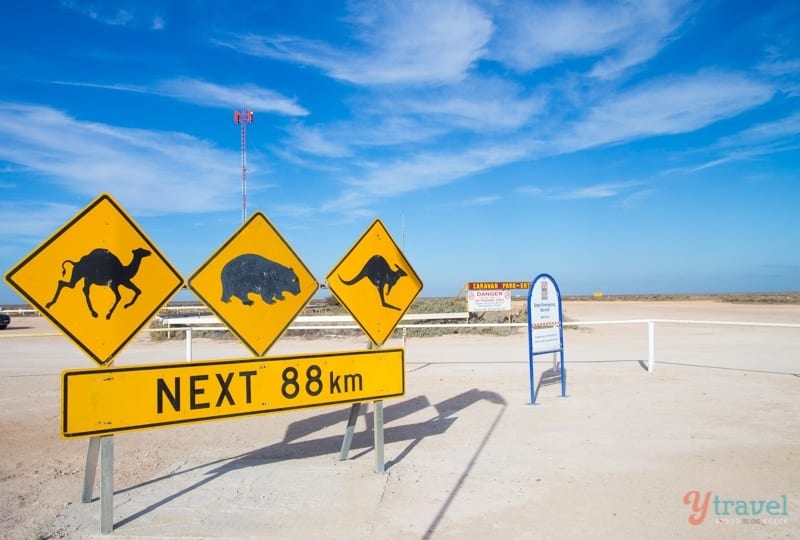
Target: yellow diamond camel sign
(98, 278)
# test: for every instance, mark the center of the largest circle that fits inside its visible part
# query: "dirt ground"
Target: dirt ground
(628, 454)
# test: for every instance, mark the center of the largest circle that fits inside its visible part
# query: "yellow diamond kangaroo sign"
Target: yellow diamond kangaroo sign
(255, 284)
(98, 278)
(375, 283)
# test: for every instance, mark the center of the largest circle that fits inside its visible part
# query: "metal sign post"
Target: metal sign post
(106, 484)
(102, 447)
(380, 466)
(348, 432)
(91, 468)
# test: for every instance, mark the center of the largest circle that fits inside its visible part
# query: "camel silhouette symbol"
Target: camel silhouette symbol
(101, 267)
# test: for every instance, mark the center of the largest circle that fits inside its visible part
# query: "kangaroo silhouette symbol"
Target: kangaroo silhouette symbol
(101, 267)
(380, 274)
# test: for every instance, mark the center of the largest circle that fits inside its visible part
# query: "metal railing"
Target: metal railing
(651, 323)
(345, 322)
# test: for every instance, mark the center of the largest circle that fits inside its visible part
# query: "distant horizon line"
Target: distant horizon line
(599, 296)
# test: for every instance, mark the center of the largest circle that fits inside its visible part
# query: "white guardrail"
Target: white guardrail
(345, 322)
(324, 322)
(651, 324)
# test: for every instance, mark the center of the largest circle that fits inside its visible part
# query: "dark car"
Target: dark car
(4, 320)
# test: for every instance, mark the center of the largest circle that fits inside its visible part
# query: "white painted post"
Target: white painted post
(651, 346)
(188, 343)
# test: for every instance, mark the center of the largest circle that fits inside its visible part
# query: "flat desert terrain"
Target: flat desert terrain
(712, 435)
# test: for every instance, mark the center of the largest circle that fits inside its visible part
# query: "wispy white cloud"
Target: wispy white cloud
(311, 140)
(159, 23)
(151, 172)
(666, 106)
(297, 210)
(477, 104)
(778, 66)
(482, 201)
(762, 139)
(421, 172)
(617, 35)
(595, 191)
(404, 119)
(344, 139)
(787, 128)
(598, 191)
(634, 199)
(412, 42)
(672, 105)
(420, 42)
(205, 93)
(120, 13)
(530, 190)
(418, 59)
(28, 221)
(209, 94)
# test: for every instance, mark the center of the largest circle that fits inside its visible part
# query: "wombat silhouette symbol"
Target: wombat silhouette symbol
(250, 273)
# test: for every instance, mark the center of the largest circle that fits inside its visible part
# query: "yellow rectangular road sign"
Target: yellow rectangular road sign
(102, 402)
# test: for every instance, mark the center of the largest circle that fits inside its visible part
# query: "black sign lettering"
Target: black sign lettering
(247, 375)
(163, 390)
(334, 383)
(195, 391)
(224, 392)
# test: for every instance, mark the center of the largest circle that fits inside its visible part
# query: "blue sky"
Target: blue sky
(642, 147)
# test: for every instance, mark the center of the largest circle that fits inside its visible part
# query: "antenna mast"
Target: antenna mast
(243, 118)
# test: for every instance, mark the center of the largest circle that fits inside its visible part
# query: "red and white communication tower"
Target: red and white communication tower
(243, 118)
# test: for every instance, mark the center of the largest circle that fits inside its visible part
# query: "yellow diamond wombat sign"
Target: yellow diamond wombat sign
(255, 283)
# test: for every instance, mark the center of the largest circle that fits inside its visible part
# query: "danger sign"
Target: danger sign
(493, 300)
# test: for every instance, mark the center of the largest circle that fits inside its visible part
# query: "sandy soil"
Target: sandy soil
(467, 456)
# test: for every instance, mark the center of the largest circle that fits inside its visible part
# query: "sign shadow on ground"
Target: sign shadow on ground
(494, 398)
(549, 377)
(291, 448)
